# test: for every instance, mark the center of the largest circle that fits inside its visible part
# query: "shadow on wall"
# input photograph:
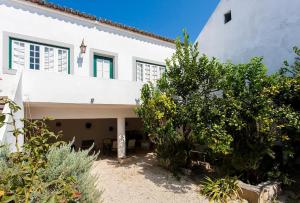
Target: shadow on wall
(83, 130)
(84, 23)
(92, 130)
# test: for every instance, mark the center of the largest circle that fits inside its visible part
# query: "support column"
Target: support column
(121, 138)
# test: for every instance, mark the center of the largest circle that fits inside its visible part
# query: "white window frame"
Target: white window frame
(49, 58)
(18, 54)
(148, 71)
(34, 56)
(40, 59)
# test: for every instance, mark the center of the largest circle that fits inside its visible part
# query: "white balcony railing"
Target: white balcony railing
(41, 86)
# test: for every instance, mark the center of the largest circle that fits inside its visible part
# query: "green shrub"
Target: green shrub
(45, 170)
(61, 162)
(172, 155)
(64, 161)
(249, 120)
(220, 190)
(173, 108)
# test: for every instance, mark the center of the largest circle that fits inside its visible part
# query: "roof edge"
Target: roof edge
(73, 12)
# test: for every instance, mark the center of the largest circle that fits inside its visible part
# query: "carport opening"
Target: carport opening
(102, 135)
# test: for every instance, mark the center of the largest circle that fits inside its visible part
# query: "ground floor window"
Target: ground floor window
(146, 72)
(38, 56)
(103, 67)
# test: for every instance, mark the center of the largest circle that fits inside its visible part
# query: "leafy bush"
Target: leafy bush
(248, 119)
(253, 120)
(63, 161)
(220, 190)
(288, 94)
(30, 175)
(168, 108)
(158, 112)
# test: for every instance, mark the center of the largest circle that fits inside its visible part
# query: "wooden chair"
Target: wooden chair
(114, 146)
(107, 145)
(131, 145)
(86, 144)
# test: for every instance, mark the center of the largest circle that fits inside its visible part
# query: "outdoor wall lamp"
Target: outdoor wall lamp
(92, 100)
(82, 47)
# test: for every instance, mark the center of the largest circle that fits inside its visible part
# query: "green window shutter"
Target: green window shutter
(69, 61)
(111, 71)
(10, 53)
(95, 66)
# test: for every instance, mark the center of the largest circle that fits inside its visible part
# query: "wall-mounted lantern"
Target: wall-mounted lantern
(82, 47)
(92, 100)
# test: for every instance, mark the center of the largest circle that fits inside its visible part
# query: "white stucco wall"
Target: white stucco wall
(39, 88)
(63, 96)
(268, 28)
(14, 92)
(78, 111)
(45, 24)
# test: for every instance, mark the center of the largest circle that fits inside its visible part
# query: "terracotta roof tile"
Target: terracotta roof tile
(100, 20)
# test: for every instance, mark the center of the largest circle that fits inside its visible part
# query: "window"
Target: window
(154, 72)
(162, 70)
(227, 17)
(146, 72)
(103, 67)
(38, 56)
(139, 72)
(34, 57)
(62, 61)
(18, 54)
(49, 59)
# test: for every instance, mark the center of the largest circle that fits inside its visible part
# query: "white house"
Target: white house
(241, 29)
(87, 72)
(90, 91)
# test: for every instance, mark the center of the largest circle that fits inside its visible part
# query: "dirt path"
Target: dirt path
(142, 181)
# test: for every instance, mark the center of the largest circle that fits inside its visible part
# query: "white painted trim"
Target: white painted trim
(108, 54)
(135, 59)
(7, 35)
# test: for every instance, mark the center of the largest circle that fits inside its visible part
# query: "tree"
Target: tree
(253, 119)
(287, 94)
(174, 109)
(232, 108)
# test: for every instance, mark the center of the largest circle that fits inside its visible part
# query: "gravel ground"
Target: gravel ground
(141, 180)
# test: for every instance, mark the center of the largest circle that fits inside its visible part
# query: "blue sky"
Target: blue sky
(163, 17)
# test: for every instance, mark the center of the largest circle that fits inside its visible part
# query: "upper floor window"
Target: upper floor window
(146, 72)
(227, 17)
(103, 67)
(49, 59)
(18, 55)
(34, 57)
(62, 61)
(37, 56)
